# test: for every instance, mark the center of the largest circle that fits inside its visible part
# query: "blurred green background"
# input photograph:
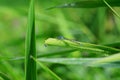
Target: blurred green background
(93, 25)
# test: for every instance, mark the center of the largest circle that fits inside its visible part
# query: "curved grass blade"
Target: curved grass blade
(81, 46)
(110, 61)
(87, 4)
(30, 64)
(47, 69)
(112, 58)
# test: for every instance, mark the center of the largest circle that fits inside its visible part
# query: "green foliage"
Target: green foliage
(89, 51)
(30, 64)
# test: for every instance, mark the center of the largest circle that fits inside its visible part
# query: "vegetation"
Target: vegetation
(60, 40)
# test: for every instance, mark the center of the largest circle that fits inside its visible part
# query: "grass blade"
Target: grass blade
(110, 61)
(81, 46)
(4, 76)
(113, 44)
(112, 58)
(111, 8)
(47, 70)
(87, 4)
(30, 64)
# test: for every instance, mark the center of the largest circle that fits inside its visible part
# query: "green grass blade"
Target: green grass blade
(81, 46)
(4, 76)
(111, 8)
(68, 61)
(113, 44)
(87, 4)
(109, 61)
(47, 70)
(30, 64)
